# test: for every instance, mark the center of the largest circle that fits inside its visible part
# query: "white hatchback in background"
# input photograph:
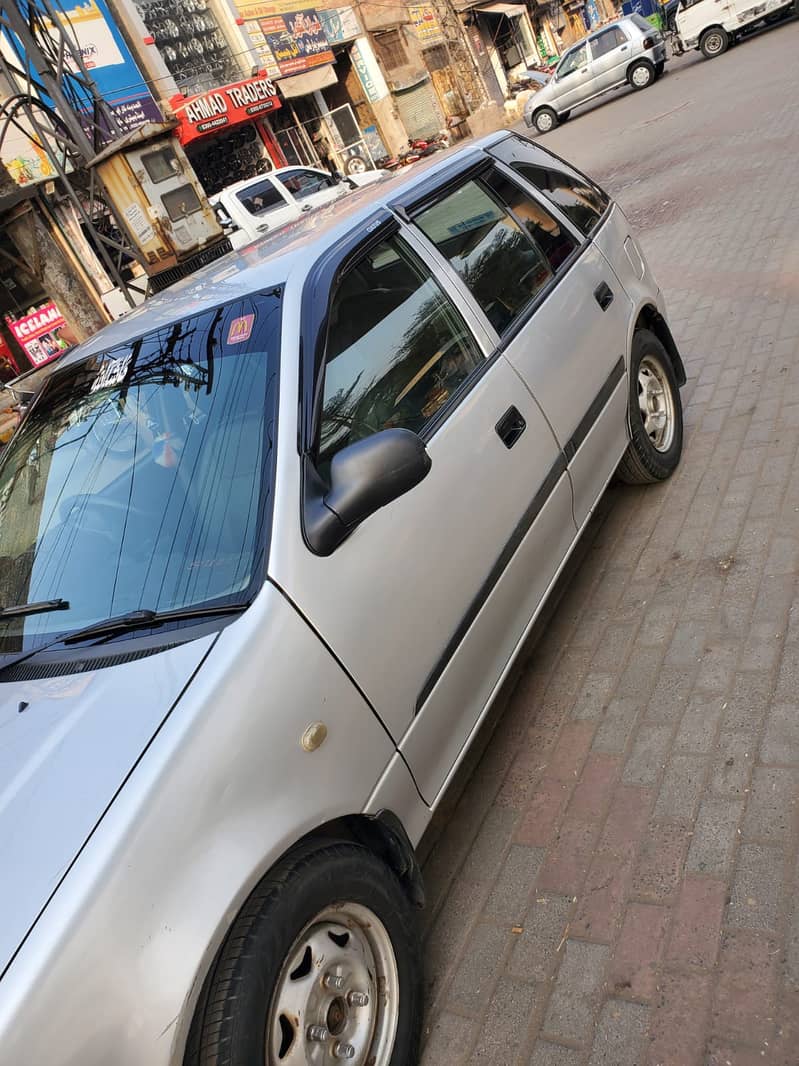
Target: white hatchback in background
(255, 206)
(711, 25)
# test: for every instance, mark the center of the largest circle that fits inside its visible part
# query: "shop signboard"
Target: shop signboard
(107, 58)
(261, 48)
(425, 24)
(370, 74)
(297, 41)
(226, 106)
(340, 24)
(43, 334)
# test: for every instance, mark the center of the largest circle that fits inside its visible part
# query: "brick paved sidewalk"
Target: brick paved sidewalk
(617, 883)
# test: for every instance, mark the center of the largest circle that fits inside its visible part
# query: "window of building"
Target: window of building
(391, 49)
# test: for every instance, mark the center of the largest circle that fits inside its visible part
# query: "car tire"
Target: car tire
(356, 164)
(545, 120)
(641, 75)
(654, 413)
(268, 988)
(714, 42)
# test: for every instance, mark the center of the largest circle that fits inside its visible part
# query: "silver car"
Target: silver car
(269, 547)
(630, 51)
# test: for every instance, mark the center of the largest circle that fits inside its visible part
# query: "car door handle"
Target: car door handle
(511, 426)
(624, 48)
(603, 294)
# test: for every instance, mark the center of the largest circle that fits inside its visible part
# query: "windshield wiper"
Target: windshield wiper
(34, 608)
(141, 619)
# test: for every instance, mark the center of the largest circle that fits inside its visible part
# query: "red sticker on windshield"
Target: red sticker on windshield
(240, 329)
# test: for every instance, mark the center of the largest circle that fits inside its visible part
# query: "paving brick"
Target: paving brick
(696, 927)
(745, 996)
(780, 745)
(748, 702)
(723, 1054)
(594, 696)
(569, 754)
(449, 930)
(567, 860)
(621, 1035)
(449, 1040)
(670, 696)
(648, 755)
(732, 764)
(474, 977)
(681, 787)
(492, 840)
(637, 953)
(679, 1021)
(508, 898)
(539, 822)
(756, 887)
(699, 725)
(593, 791)
(576, 993)
(545, 927)
(771, 809)
(548, 1054)
(510, 1014)
(614, 647)
(715, 833)
(659, 868)
(616, 726)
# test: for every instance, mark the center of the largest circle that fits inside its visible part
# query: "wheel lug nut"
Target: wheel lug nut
(358, 999)
(317, 1033)
(333, 981)
(343, 1051)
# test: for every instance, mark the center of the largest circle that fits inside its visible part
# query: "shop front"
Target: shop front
(508, 28)
(225, 134)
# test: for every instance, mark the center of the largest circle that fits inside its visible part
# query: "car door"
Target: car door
(426, 600)
(263, 205)
(610, 55)
(310, 187)
(578, 370)
(573, 78)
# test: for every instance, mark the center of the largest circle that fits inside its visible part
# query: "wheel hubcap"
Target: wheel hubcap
(337, 996)
(544, 123)
(656, 404)
(641, 76)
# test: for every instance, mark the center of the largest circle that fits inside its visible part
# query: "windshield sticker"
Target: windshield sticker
(112, 373)
(240, 329)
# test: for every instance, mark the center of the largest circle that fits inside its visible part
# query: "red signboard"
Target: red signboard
(43, 334)
(229, 105)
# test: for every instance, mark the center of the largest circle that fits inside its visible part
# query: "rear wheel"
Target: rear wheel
(641, 74)
(714, 42)
(545, 119)
(321, 965)
(655, 414)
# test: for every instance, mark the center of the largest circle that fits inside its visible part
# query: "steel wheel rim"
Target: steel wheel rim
(544, 123)
(656, 404)
(713, 43)
(337, 996)
(641, 76)
(356, 166)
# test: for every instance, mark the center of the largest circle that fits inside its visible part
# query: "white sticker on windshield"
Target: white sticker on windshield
(111, 373)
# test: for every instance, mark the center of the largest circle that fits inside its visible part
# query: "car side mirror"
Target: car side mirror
(364, 477)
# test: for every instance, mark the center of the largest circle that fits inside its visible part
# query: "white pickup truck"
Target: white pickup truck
(711, 25)
(251, 208)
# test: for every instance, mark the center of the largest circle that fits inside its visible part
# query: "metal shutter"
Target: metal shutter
(419, 110)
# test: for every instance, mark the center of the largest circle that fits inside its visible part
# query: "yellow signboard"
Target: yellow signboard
(425, 23)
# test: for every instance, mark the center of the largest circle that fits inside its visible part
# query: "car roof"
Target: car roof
(271, 260)
(245, 183)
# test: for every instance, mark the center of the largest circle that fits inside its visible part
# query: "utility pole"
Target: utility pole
(471, 81)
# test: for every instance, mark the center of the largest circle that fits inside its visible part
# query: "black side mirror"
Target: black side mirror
(364, 477)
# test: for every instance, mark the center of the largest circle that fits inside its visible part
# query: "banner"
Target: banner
(43, 334)
(370, 74)
(228, 105)
(340, 24)
(425, 23)
(297, 41)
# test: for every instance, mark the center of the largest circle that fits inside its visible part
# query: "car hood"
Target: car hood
(66, 746)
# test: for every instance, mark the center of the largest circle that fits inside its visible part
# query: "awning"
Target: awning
(511, 10)
(308, 82)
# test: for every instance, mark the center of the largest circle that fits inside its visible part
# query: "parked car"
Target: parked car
(271, 544)
(710, 25)
(630, 51)
(256, 206)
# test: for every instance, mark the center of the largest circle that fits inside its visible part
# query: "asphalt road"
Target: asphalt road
(613, 880)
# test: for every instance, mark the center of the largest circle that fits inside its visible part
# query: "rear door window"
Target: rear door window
(302, 183)
(504, 245)
(261, 198)
(607, 41)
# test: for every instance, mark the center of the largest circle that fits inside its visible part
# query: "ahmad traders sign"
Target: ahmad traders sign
(229, 105)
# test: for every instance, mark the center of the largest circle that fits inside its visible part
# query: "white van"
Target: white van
(711, 25)
(251, 208)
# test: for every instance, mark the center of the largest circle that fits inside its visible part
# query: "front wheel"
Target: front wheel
(545, 120)
(655, 414)
(641, 74)
(322, 965)
(714, 42)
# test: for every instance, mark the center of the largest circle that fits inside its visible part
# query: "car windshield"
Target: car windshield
(141, 476)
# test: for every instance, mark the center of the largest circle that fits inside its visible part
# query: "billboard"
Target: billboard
(425, 23)
(297, 41)
(43, 333)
